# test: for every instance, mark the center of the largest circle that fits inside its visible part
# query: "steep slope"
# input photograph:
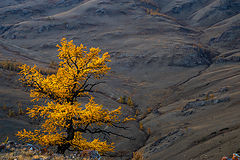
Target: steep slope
(224, 35)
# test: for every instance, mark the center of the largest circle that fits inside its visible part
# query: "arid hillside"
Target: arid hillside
(177, 59)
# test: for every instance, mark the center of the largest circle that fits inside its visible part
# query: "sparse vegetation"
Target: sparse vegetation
(157, 13)
(149, 131)
(130, 102)
(10, 65)
(140, 126)
(209, 96)
(138, 155)
(20, 111)
(53, 65)
(11, 113)
(122, 100)
(14, 66)
(149, 110)
(126, 100)
(137, 112)
(4, 107)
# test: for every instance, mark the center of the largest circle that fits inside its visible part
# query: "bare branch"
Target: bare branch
(101, 131)
(98, 130)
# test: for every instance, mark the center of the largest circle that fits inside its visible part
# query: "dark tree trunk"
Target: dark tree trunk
(62, 148)
(70, 136)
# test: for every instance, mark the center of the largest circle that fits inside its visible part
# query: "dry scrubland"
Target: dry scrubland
(175, 64)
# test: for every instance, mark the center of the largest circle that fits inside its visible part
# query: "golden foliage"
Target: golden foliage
(130, 102)
(77, 66)
(65, 119)
(122, 100)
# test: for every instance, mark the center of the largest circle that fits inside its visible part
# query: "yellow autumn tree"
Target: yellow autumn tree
(65, 120)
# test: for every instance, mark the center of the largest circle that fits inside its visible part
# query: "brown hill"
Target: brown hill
(178, 60)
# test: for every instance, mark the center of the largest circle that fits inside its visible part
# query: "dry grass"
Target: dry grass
(26, 155)
(20, 154)
(47, 71)
(53, 65)
(13, 113)
(157, 13)
(138, 155)
(10, 65)
(14, 66)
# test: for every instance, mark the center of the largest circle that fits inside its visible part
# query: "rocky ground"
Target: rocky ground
(11, 150)
(178, 60)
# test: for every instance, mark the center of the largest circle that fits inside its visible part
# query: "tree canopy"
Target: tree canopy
(64, 118)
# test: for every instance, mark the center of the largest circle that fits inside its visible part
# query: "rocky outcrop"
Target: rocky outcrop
(191, 56)
(229, 38)
(205, 99)
(200, 103)
(165, 141)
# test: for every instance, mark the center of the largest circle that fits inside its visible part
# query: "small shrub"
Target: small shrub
(149, 131)
(122, 100)
(211, 96)
(11, 113)
(20, 111)
(207, 97)
(137, 112)
(149, 110)
(5, 142)
(130, 102)
(4, 107)
(140, 126)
